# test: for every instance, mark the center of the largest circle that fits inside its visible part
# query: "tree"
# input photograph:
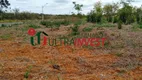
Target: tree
(78, 7)
(139, 15)
(3, 4)
(126, 14)
(99, 11)
(96, 14)
(108, 11)
(16, 12)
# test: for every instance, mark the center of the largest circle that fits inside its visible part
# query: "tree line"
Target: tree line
(119, 12)
(122, 12)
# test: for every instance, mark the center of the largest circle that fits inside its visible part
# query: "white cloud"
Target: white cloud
(57, 6)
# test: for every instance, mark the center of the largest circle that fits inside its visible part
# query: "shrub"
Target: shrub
(87, 29)
(94, 17)
(115, 19)
(140, 26)
(119, 25)
(75, 30)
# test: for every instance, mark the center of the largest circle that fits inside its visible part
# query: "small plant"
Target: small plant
(119, 25)
(119, 54)
(75, 30)
(87, 29)
(26, 75)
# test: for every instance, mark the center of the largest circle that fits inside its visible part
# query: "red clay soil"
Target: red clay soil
(74, 63)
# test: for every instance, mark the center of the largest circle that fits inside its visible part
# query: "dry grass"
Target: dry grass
(120, 59)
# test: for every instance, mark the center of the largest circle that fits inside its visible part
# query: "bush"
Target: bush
(91, 17)
(119, 25)
(88, 29)
(140, 26)
(115, 19)
(75, 30)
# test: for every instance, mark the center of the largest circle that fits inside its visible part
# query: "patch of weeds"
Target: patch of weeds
(75, 30)
(140, 26)
(106, 44)
(88, 29)
(5, 37)
(119, 25)
(136, 26)
(25, 28)
(26, 75)
(48, 24)
(78, 22)
(34, 26)
(65, 22)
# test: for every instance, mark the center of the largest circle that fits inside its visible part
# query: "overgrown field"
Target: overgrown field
(119, 59)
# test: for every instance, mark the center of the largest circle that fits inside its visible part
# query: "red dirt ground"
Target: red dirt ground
(75, 63)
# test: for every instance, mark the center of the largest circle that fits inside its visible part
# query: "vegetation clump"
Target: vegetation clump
(75, 30)
(50, 24)
(87, 29)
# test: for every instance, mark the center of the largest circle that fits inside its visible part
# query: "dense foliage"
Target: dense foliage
(116, 12)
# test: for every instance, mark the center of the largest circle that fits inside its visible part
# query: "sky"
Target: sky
(58, 6)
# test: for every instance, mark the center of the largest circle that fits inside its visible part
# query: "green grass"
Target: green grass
(136, 27)
(26, 75)
(140, 26)
(88, 29)
(5, 36)
(34, 26)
